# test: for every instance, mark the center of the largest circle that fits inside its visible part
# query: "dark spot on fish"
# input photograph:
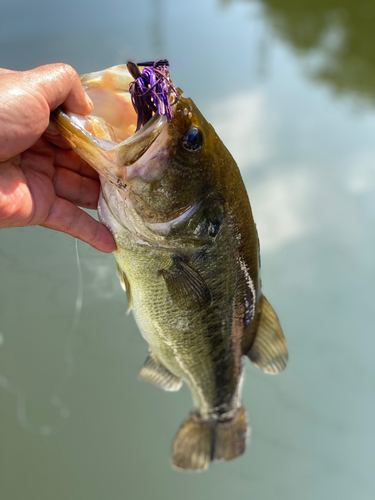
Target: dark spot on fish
(249, 306)
(211, 229)
(120, 184)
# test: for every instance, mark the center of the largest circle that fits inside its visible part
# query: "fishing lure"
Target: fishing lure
(150, 91)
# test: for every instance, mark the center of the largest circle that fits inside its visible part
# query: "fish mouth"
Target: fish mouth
(107, 138)
(130, 150)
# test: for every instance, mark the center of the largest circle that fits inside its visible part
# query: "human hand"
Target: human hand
(42, 181)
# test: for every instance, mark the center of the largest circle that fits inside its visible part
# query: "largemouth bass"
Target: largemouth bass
(187, 255)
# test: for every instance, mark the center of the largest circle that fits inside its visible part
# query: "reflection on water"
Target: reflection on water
(335, 37)
(61, 410)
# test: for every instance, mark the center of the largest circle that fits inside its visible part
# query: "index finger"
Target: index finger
(60, 84)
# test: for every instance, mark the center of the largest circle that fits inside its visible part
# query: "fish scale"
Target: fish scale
(210, 378)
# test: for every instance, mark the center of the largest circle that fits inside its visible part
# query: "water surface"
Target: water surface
(290, 90)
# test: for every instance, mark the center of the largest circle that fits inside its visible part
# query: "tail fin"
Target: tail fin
(198, 442)
(231, 436)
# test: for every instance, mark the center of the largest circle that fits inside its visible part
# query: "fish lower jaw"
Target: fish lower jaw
(114, 213)
(117, 213)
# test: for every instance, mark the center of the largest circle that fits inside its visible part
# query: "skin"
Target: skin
(42, 181)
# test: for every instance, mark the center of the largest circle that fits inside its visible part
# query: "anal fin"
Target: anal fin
(268, 350)
(155, 373)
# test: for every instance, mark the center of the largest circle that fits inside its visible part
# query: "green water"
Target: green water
(290, 88)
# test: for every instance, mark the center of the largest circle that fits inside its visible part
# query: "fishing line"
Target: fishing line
(55, 400)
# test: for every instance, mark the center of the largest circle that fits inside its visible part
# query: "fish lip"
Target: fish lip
(151, 129)
(135, 146)
(112, 160)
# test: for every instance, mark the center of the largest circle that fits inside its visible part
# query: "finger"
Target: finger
(16, 204)
(77, 189)
(60, 84)
(39, 158)
(67, 218)
(66, 158)
(54, 137)
(44, 158)
(71, 160)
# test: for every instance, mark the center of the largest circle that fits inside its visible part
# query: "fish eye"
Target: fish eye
(192, 139)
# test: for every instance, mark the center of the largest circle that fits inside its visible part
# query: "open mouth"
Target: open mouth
(121, 127)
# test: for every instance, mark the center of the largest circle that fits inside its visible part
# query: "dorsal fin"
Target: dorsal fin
(125, 285)
(268, 345)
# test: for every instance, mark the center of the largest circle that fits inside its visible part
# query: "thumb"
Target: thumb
(60, 84)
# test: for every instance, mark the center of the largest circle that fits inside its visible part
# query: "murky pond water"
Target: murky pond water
(290, 89)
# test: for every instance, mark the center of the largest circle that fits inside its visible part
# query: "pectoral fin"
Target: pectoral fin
(155, 373)
(125, 285)
(268, 349)
(186, 287)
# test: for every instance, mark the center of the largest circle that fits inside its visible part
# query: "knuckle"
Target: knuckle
(95, 237)
(73, 228)
(62, 69)
(81, 189)
(67, 70)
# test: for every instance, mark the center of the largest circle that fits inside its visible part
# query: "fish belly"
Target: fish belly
(195, 342)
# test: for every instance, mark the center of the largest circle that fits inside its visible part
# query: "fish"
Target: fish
(188, 254)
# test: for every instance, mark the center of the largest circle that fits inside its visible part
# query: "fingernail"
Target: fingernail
(89, 103)
(52, 130)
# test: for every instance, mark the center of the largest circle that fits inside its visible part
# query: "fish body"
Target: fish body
(188, 257)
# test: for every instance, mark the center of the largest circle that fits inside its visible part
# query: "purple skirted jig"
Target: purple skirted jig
(150, 90)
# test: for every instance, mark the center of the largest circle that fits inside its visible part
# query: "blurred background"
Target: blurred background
(290, 88)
